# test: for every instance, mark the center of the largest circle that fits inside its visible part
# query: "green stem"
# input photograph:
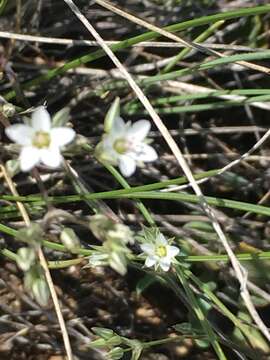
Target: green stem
(260, 255)
(170, 339)
(134, 194)
(64, 263)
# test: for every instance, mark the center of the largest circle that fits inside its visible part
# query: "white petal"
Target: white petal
(119, 126)
(165, 265)
(149, 249)
(107, 143)
(149, 261)
(41, 120)
(172, 251)
(106, 152)
(29, 157)
(127, 165)
(145, 153)
(139, 130)
(20, 134)
(161, 240)
(61, 136)
(51, 157)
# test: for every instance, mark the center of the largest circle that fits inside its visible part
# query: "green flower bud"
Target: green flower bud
(29, 279)
(115, 354)
(114, 341)
(69, 239)
(99, 225)
(41, 291)
(118, 262)
(99, 343)
(103, 332)
(25, 258)
(36, 285)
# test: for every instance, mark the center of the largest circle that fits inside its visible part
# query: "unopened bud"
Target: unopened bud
(118, 262)
(41, 291)
(69, 239)
(103, 332)
(114, 341)
(25, 258)
(115, 354)
(99, 343)
(99, 225)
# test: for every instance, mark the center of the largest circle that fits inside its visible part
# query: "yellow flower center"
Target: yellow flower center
(41, 139)
(121, 146)
(161, 251)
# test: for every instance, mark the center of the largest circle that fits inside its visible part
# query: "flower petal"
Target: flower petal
(148, 249)
(127, 165)
(20, 134)
(51, 157)
(118, 126)
(139, 130)
(61, 136)
(145, 153)
(161, 240)
(172, 251)
(41, 120)
(105, 152)
(150, 261)
(165, 265)
(29, 157)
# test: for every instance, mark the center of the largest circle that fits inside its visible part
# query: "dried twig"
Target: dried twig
(75, 42)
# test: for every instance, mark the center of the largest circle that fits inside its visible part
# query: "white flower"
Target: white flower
(40, 142)
(124, 145)
(159, 253)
